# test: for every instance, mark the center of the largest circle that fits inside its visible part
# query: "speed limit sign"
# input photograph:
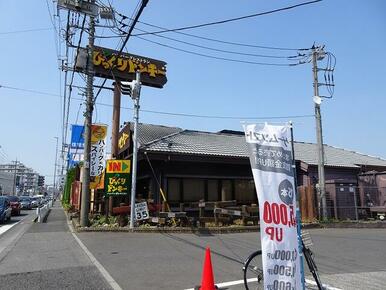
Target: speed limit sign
(141, 211)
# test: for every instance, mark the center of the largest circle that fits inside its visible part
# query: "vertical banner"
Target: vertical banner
(76, 150)
(98, 149)
(271, 161)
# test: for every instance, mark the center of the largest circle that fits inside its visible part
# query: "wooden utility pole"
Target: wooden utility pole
(115, 129)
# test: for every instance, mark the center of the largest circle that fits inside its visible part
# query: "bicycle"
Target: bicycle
(253, 268)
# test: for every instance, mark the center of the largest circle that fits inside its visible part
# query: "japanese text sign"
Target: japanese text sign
(77, 139)
(271, 161)
(141, 211)
(117, 177)
(108, 64)
(98, 149)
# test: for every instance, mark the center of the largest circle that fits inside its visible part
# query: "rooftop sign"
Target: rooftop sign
(124, 66)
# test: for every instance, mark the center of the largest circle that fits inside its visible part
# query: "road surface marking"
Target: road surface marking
(238, 282)
(5, 228)
(110, 280)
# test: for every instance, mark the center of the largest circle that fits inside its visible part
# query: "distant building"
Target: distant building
(6, 183)
(25, 178)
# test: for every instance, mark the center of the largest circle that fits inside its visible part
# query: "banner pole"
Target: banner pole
(298, 217)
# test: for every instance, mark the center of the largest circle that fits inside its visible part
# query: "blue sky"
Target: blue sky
(353, 30)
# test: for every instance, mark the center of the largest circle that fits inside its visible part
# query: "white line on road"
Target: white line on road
(313, 283)
(238, 282)
(5, 228)
(110, 280)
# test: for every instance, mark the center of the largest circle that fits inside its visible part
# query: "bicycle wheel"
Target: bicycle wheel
(253, 272)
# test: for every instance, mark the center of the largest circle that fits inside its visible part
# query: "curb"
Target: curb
(220, 230)
(355, 225)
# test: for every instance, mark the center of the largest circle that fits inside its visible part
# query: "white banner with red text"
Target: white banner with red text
(271, 161)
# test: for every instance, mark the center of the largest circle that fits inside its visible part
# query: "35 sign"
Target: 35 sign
(141, 211)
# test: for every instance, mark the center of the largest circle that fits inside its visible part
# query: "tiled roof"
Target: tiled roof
(234, 145)
(148, 133)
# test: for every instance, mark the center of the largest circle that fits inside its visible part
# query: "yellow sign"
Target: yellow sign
(122, 140)
(98, 183)
(118, 166)
(98, 132)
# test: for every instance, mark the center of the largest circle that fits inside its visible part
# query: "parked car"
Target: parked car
(25, 202)
(35, 202)
(15, 204)
(5, 209)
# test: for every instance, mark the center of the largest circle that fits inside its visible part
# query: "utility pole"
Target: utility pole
(85, 202)
(318, 53)
(136, 92)
(115, 129)
(55, 165)
(14, 179)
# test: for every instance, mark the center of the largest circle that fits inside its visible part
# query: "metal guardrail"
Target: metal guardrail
(43, 211)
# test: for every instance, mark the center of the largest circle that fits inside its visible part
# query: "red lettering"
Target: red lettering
(283, 214)
(274, 233)
(270, 231)
(116, 166)
(267, 215)
(276, 213)
(279, 234)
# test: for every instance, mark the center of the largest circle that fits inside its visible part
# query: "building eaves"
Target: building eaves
(230, 145)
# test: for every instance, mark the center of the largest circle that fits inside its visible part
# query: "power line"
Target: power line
(226, 42)
(172, 113)
(231, 19)
(29, 91)
(217, 57)
(26, 30)
(217, 49)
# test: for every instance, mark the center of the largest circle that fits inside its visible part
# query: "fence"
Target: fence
(345, 201)
(42, 212)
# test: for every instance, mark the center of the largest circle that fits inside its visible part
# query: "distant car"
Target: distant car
(25, 202)
(15, 204)
(5, 209)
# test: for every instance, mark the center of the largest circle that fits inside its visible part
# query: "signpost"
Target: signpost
(117, 177)
(141, 211)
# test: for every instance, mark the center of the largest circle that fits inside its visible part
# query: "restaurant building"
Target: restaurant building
(194, 165)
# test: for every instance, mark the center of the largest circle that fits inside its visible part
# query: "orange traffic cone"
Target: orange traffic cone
(207, 282)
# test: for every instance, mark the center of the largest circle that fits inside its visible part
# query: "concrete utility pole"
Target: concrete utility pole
(115, 128)
(136, 92)
(317, 54)
(55, 164)
(85, 201)
(14, 178)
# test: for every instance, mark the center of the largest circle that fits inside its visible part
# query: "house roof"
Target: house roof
(174, 140)
(148, 133)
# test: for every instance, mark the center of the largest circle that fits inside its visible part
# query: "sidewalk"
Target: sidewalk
(48, 257)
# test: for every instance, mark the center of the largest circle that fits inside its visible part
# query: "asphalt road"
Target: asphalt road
(347, 258)
(45, 256)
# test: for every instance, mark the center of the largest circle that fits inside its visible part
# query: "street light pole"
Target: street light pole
(136, 92)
